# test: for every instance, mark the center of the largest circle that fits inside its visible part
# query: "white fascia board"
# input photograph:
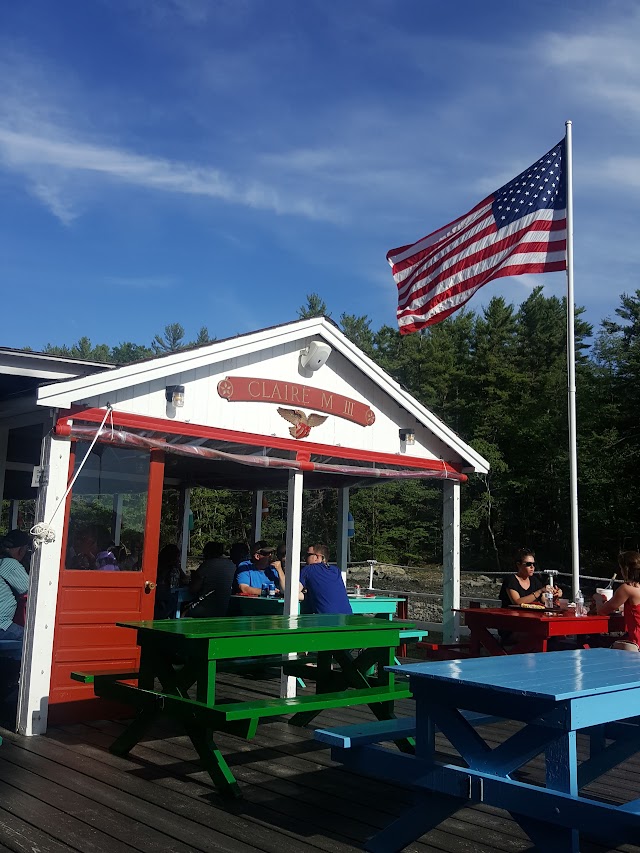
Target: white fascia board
(406, 400)
(64, 394)
(42, 366)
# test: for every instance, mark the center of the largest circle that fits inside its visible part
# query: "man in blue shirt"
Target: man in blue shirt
(322, 584)
(251, 574)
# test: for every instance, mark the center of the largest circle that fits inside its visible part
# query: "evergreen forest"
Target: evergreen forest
(497, 377)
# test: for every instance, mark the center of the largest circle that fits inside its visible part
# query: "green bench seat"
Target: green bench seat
(231, 665)
(316, 702)
(90, 677)
(113, 684)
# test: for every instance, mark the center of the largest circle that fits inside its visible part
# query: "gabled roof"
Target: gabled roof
(23, 370)
(64, 394)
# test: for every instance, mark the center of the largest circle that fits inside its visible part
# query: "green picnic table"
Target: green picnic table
(350, 656)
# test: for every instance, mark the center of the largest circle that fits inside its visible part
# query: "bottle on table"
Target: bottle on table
(548, 600)
(580, 608)
(358, 589)
(272, 590)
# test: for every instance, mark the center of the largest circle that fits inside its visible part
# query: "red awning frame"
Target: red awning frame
(123, 438)
(427, 468)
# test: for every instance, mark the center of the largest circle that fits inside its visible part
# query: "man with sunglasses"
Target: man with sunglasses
(522, 586)
(324, 591)
(251, 574)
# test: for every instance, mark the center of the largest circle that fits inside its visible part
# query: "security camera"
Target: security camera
(314, 356)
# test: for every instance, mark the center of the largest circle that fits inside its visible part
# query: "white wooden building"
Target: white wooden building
(290, 407)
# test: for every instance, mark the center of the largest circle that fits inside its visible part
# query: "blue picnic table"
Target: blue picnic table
(593, 691)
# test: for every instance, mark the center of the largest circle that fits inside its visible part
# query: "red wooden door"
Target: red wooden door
(89, 605)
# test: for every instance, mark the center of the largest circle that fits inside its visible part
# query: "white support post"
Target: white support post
(451, 561)
(117, 517)
(257, 514)
(184, 536)
(571, 376)
(292, 565)
(14, 514)
(43, 590)
(342, 557)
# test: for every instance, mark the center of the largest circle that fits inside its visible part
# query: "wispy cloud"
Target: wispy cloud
(29, 154)
(599, 60)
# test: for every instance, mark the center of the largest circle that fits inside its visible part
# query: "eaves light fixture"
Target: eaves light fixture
(407, 435)
(174, 394)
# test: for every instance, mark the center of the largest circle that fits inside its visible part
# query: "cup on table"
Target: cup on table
(601, 596)
(563, 603)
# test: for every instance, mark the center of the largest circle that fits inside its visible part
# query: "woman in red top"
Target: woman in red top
(627, 594)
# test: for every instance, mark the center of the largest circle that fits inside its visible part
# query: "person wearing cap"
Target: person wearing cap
(251, 574)
(14, 581)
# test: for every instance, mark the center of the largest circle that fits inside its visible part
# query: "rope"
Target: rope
(43, 533)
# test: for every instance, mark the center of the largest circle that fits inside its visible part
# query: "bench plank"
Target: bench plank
(89, 677)
(219, 716)
(362, 734)
(365, 733)
(319, 701)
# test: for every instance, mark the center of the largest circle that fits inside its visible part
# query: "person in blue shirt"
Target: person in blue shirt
(322, 584)
(252, 573)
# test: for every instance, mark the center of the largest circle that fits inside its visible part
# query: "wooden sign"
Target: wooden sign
(246, 389)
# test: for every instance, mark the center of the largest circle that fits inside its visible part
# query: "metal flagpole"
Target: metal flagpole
(571, 374)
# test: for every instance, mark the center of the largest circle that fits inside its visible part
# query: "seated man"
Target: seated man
(322, 584)
(251, 574)
(211, 582)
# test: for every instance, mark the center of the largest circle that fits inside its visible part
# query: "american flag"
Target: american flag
(521, 228)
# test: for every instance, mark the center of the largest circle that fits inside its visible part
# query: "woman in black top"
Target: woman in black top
(523, 587)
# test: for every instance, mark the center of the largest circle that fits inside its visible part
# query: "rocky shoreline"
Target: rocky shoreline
(425, 580)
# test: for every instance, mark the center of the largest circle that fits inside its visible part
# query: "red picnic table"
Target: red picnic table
(535, 628)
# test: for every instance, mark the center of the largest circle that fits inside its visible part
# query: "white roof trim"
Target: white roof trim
(44, 366)
(65, 394)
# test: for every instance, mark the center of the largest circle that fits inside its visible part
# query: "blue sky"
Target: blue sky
(211, 162)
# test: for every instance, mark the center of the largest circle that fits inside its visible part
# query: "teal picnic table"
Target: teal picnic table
(257, 605)
(350, 654)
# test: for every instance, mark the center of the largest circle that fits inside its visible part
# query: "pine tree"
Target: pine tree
(170, 341)
(315, 307)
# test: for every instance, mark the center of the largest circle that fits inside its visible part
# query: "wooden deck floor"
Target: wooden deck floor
(66, 792)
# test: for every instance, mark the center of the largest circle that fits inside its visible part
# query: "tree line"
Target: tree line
(498, 377)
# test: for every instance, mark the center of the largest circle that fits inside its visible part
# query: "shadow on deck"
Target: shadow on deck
(66, 792)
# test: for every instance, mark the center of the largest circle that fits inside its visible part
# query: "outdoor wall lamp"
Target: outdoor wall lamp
(407, 435)
(174, 394)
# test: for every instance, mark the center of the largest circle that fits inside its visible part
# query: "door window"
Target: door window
(108, 509)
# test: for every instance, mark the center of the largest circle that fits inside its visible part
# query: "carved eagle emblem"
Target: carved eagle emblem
(301, 423)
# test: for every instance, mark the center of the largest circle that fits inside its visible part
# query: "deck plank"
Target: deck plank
(66, 792)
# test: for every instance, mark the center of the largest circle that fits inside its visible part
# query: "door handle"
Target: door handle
(149, 586)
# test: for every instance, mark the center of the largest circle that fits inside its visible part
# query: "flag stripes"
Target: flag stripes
(441, 272)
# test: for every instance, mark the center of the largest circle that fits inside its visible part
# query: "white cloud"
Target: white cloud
(31, 155)
(53, 198)
(599, 61)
